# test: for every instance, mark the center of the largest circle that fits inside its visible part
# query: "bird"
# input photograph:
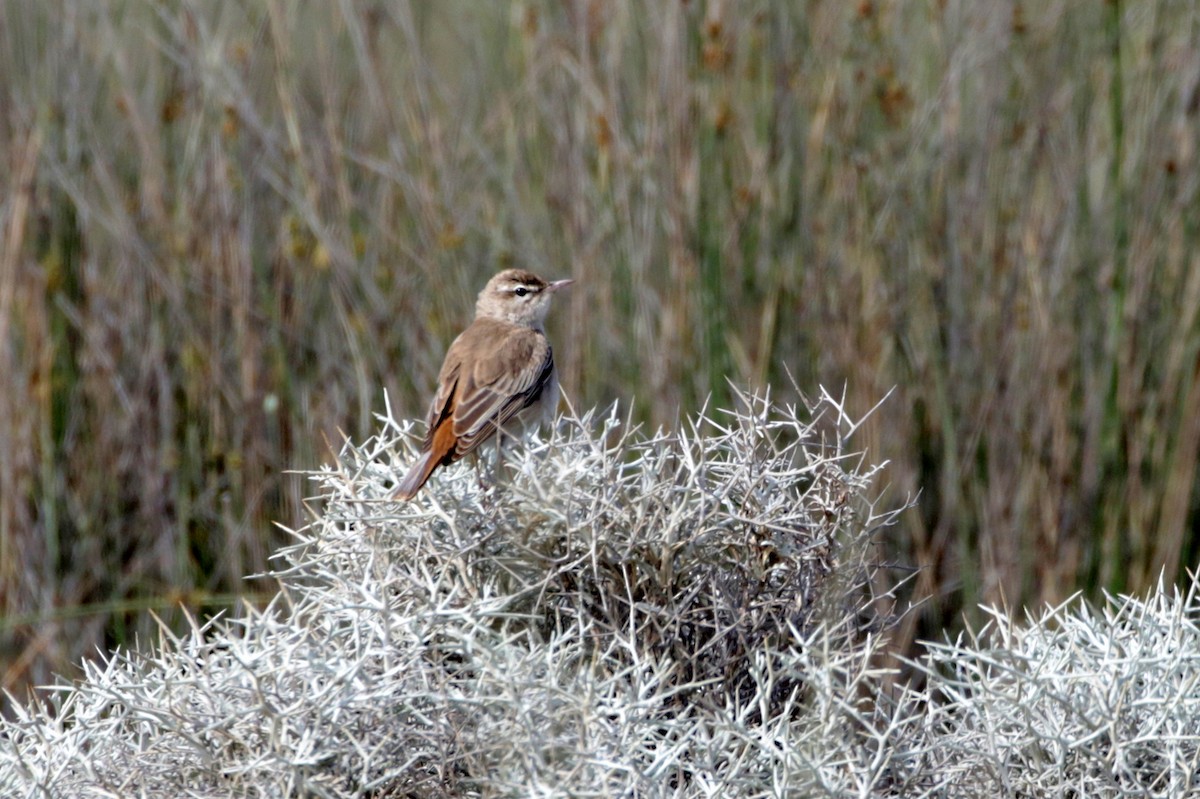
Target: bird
(498, 375)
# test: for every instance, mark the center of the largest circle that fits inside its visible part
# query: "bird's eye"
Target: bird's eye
(520, 291)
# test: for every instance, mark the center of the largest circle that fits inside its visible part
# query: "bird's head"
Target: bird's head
(517, 296)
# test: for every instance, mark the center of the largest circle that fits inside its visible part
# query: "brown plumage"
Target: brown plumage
(498, 375)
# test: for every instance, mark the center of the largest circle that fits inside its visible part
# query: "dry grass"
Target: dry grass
(227, 227)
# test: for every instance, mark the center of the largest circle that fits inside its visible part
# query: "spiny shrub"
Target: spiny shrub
(613, 614)
(1074, 702)
(603, 612)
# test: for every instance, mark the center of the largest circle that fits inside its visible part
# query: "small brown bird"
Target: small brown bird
(500, 370)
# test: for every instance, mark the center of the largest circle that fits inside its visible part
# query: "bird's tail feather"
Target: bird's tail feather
(418, 473)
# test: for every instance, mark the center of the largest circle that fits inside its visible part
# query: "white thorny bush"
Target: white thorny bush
(615, 614)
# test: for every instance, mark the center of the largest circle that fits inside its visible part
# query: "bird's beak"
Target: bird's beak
(560, 284)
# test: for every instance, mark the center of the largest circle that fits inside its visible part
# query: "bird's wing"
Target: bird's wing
(492, 371)
(509, 369)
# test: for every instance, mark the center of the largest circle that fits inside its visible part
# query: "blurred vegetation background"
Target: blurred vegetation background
(226, 228)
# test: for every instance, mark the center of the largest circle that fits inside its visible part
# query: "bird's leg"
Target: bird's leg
(487, 465)
(502, 440)
(479, 460)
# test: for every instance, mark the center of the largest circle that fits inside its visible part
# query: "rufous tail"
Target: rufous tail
(418, 473)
